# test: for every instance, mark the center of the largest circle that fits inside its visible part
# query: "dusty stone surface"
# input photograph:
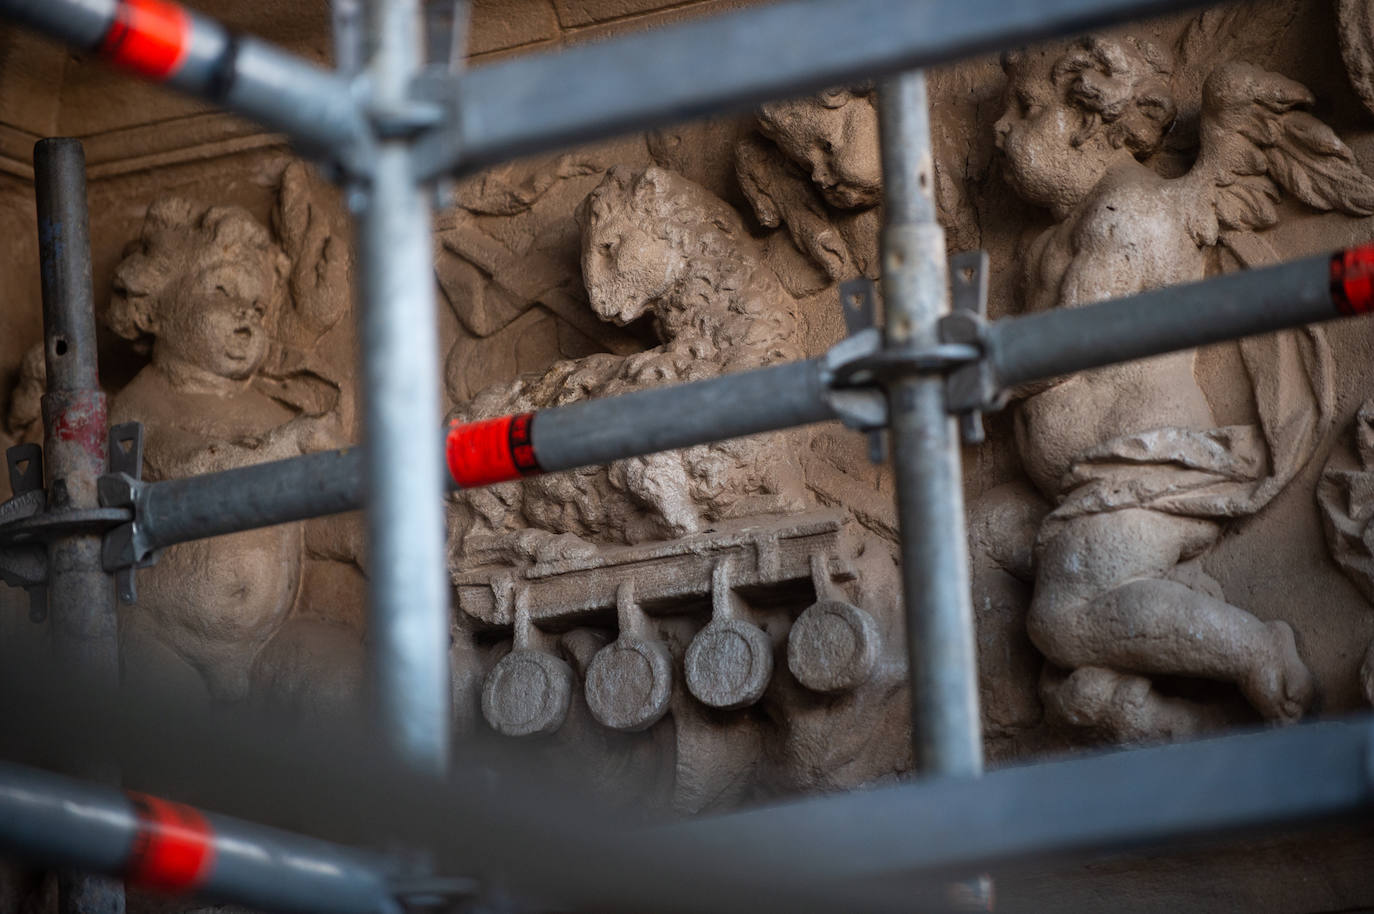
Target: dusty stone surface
(1223, 490)
(548, 551)
(1141, 473)
(216, 297)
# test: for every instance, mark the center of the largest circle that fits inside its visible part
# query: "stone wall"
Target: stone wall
(549, 276)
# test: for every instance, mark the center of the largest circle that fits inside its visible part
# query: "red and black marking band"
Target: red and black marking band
(174, 849)
(148, 36)
(1352, 279)
(490, 451)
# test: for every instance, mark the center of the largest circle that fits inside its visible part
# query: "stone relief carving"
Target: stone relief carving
(229, 312)
(1140, 474)
(504, 266)
(1345, 495)
(814, 167)
(24, 418)
(652, 243)
(1356, 34)
(625, 560)
(664, 574)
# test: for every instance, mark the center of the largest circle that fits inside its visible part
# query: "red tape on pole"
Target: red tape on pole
(174, 849)
(1352, 279)
(490, 451)
(148, 36)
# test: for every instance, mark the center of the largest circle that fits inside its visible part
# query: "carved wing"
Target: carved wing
(318, 282)
(1258, 142)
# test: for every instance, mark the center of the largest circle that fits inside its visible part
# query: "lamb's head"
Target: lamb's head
(643, 234)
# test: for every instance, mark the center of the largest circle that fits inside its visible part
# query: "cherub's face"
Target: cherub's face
(1036, 132)
(624, 267)
(839, 146)
(221, 317)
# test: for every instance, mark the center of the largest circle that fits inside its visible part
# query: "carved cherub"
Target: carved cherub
(1131, 454)
(213, 293)
(815, 168)
(1345, 495)
(653, 243)
(24, 418)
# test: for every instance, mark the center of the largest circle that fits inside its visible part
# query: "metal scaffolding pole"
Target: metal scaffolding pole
(544, 101)
(81, 599)
(390, 133)
(408, 596)
(80, 594)
(945, 729)
(175, 848)
(190, 52)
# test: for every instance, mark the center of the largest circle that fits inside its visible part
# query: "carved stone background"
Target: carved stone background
(509, 263)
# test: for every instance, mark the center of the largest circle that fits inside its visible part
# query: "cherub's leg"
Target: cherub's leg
(1101, 601)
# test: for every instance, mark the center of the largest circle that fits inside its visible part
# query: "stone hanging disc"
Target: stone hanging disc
(832, 647)
(629, 683)
(527, 694)
(729, 664)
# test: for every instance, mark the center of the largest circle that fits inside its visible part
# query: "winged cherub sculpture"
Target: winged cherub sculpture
(1140, 472)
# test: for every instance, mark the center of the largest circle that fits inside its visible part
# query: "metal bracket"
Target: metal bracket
(860, 408)
(861, 364)
(124, 549)
(26, 566)
(971, 382)
(859, 305)
(25, 462)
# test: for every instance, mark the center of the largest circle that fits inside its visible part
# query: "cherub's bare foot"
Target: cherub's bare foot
(1280, 686)
(1124, 707)
(1091, 696)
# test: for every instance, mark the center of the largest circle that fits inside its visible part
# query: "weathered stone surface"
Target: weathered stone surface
(1172, 491)
(832, 647)
(729, 663)
(1142, 474)
(230, 312)
(527, 693)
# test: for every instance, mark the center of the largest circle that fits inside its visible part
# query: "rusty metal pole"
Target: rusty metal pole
(81, 600)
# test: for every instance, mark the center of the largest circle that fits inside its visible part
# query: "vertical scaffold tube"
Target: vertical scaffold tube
(81, 599)
(408, 621)
(925, 450)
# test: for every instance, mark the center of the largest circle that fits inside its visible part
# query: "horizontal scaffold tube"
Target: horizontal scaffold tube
(1035, 347)
(1020, 349)
(58, 821)
(543, 101)
(169, 44)
(481, 453)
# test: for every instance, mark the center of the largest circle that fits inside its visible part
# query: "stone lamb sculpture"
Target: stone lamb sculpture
(213, 292)
(1141, 476)
(653, 244)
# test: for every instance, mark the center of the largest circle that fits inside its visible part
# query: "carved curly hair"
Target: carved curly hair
(670, 207)
(176, 235)
(1122, 87)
